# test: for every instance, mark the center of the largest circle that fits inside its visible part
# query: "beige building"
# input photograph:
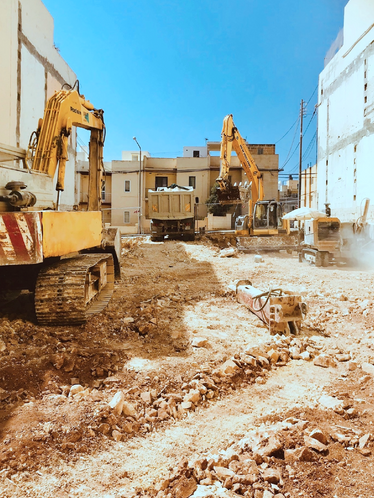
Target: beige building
(289, 194)
(199, 168)
(309, 196)
(31, 69)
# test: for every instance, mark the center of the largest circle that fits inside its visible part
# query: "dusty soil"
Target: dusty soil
(245, 401)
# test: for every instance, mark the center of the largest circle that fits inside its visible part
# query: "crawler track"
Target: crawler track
(62, 293)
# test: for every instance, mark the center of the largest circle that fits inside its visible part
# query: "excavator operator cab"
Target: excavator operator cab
(265, 218)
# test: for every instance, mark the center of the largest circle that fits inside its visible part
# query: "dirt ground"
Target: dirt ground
(177, 390)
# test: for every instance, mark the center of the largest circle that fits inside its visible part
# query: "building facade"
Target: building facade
(31, 70)
(346, 117)
(199, 167)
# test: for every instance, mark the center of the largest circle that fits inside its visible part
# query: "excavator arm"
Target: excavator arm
(48, 147)
(232, 140)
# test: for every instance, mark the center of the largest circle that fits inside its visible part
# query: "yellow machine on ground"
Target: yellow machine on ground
(264, 217)
(41, 247)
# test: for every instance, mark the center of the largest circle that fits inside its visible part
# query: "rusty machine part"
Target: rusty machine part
(18, 196)
(71, 290)
(282, 312)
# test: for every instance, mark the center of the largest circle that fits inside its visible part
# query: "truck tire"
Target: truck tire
(318, 259)
(189, 236)
(158, 238)
(325, 259)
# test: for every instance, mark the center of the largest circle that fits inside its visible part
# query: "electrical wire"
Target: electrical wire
(287, 132)
(293, 140)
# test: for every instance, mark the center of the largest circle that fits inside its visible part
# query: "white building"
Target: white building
(346, 117)
(31, 70)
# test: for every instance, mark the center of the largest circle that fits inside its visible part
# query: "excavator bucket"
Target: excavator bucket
(230, 195)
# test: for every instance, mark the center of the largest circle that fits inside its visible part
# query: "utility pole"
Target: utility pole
(301, 149)
(140, 187)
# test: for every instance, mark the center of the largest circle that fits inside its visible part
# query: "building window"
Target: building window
(127, 185)
(134, 157)
(192, 181)
(161, 181)
(126, 216)
(196, 153)
(260, 151)
(103, 191)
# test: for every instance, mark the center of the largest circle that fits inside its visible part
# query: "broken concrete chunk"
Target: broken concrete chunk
(325, 361)
(229, 252)
(128, 409)
(272, 476)
(77, 388)
(305, 355)
(116, 435)
(267, 494)
(147, 397)
(331, 402)
(199, 342)
(310, 442)
(319, 435)
(228, 368)
(343, 357)
(363, 441)
(223, 473)
(300, 455)
(187, 405)
(116, 403)
(274, 445)
(273, 356)
(184, 487)
(352, 365)
(193, 396)
(368, 368)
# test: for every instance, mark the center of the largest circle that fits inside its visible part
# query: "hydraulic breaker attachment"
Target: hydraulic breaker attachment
(280, 310)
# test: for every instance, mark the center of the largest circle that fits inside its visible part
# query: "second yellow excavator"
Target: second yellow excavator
(264, 216)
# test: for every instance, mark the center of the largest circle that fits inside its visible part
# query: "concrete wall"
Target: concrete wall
(346, 118)
(31, 70)
(190, 150)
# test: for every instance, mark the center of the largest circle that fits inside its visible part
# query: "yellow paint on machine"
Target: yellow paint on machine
(67, 232)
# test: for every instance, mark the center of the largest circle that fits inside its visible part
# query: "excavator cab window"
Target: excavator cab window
(260, 219)
(265, 215)
(273, 216)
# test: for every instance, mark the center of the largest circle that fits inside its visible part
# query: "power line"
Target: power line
(287, 132)
(310, 98)
(293, 140)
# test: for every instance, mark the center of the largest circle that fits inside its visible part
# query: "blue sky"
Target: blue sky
(168, 71)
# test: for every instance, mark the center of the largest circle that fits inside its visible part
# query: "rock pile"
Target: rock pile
(259, 465)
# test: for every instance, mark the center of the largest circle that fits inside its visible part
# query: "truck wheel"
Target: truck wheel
(318, 260)
(157, 238)
(190, 236)
(325, 259)
(300, 257)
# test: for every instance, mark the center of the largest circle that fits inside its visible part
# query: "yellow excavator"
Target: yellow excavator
(65, 257)
(264, 217)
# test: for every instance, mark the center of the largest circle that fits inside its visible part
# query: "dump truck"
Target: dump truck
(64, 256)
(171, 210)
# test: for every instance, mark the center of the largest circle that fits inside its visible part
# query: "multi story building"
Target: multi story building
(199, 167)
(346, 116)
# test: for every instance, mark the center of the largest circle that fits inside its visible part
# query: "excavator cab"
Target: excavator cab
(265, 218)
